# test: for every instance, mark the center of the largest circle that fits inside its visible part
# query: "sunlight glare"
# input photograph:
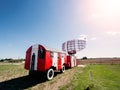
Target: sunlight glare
(104, 14)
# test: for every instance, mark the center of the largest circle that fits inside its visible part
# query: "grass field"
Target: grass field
(96, 77)
(9, 71)
(92, 77)
(15, 77)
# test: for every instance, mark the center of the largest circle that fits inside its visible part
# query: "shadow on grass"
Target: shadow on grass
(21, 83)
(24, 82)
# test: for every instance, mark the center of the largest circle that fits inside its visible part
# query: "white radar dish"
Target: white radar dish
(73, 46)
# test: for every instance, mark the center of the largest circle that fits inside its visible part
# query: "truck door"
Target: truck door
(55, 59)
(34, 55)
(59, 61)
(33, 61)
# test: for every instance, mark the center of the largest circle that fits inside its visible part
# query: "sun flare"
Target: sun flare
(109, 7)
(104, 14)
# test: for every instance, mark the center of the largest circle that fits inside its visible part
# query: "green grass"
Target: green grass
(12, 76)
(102, 77)
(11, 71)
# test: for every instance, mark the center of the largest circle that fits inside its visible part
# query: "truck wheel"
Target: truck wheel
(50, 74)
(63, 69)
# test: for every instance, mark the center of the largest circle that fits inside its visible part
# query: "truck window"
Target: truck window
(41, 53)
(51, 54)
(62, 55)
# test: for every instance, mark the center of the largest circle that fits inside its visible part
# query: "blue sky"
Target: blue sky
(52, 22)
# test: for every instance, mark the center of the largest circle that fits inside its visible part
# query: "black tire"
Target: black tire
(63, 69)
(50, 74)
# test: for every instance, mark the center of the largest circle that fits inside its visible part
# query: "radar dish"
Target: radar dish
(73, 46)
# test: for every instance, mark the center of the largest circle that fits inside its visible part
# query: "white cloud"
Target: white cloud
(83, 37)
(113, 33)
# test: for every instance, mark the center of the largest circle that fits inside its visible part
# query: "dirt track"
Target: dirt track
(59, 80)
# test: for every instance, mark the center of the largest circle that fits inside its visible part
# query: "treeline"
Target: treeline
(12, 60)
